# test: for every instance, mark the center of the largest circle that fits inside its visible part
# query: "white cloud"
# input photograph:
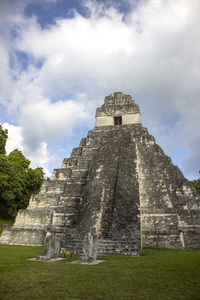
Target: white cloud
(15, 137)
(51, 121)
(153, 54)
(38, 157)
(5, 72)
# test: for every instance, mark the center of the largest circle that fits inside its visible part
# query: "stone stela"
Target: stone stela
(117, 182)
(90, 249)
(51, 247)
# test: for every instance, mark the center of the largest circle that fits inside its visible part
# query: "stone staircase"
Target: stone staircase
(106, 222)
(74, 172)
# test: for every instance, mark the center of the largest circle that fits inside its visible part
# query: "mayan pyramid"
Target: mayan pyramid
(119, 184)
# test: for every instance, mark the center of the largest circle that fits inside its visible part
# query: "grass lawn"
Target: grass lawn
(158, 274)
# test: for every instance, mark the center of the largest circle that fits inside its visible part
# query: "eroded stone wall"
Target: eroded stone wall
(169, 204)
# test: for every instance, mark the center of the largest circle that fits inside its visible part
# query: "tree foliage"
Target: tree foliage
(3, 139)
(17, 182)
(196, 184)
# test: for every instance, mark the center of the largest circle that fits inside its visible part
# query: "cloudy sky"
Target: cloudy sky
(60, 58)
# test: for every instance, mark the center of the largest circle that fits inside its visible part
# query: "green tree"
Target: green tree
(17, 182)
(29, 179)
(3, 139)
(9, 188)
(196, 184)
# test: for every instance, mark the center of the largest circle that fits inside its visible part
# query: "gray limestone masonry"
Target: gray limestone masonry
(119, 184)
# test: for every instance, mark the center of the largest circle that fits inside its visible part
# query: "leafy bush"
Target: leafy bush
(17, 180)
(196, 184)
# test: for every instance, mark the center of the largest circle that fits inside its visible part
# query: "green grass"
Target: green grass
(158, 274)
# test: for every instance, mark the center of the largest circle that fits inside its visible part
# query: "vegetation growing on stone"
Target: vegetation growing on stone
(196, 184)
(17, 180)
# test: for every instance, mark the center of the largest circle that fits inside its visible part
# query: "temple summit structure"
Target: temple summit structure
(119, 186)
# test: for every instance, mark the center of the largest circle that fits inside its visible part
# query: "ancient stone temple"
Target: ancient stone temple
(119, 185)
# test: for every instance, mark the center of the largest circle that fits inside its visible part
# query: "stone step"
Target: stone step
(83, 163)
(88, 151)
(82, 142)
(51, 186)
(6, 234)
(38, 218)
(69, 174)
(26, 236)
(61, 174)
(64, 163)
(76, 152)
(79, 173)
(72, 162)
(44, 201)
(73, 188)
(70, 201)
(105, 246)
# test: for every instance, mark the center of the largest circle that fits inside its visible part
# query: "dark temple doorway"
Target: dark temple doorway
(118, 120)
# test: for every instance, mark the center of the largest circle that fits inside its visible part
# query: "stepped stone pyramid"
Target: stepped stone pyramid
(118, 184)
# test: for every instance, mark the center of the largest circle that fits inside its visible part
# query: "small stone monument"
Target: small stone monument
(90, 248)
(51, 247)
